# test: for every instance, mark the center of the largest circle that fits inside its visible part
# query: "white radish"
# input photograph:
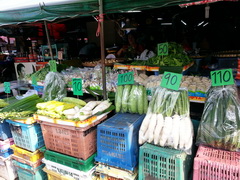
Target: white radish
(151, 127)
(166, 130)
(90, 105)
(82, 112)
(102, 106)
(175, 130)
(70, 116)
(69, 112)
(158, 129)
(182, 133)
(144, 127)
(188, 133)
(77, 109)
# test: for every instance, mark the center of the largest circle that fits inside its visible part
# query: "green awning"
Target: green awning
(26, 11)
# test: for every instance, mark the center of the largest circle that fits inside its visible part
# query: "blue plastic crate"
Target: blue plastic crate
(5, 132)
(6, 153)
(26, 172)
(27, 136)
(117, 141)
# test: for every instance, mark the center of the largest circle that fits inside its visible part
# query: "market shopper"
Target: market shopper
(132, 49)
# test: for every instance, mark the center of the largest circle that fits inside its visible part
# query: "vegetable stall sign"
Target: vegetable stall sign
(7, 88)
(77, 86)
(222, 77)
(171, 80)
(126, 78)
(163, 49)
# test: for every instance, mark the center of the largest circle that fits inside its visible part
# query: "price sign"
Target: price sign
(34, 80)
(171, 80)
(222, 77)
(77, 86)
(163, 49)
(53, 65)
(7, 88)
(126, 78)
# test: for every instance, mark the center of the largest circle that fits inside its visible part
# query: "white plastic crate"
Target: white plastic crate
(69, 172)
(7, 170)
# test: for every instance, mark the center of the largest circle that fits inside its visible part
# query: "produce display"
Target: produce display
(3, 103)
(54, 87)
(72, 108)
(220, 123)
(167, 122)
(20, 109)
(176, 57)
(131, 98)
(107, 62)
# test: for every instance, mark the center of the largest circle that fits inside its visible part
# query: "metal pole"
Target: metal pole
(102, 50)
(48, 39)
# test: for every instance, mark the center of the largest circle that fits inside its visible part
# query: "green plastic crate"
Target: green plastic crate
(162, 163)
(69, 161)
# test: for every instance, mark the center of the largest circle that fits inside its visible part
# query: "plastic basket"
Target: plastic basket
(216, 164)
(7, 170)
(4, 145)
(26, 172)
(27, 136)
(28, 155)
(107, 177)
(55, 176)
(162, 163)
(68, 160)
(5, 132)
(117, 141)
(6, 153)
(24, 161)
(115, 172)
(69, 172)
(39, 89)
(76, 142)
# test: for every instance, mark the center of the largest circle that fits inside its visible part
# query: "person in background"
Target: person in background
(132, 49)
(21, 71)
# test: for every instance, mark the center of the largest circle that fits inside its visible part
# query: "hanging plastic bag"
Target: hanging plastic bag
(220, 122)
(54, 87)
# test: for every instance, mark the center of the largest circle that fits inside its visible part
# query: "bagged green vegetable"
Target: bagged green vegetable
(131, 98)
(54, 87)
(220, 122)
(167, 122)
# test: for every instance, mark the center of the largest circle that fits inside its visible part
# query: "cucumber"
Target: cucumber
(145, 101)
(132, 105)
(118, 98)
(140, 101)
(125, 97)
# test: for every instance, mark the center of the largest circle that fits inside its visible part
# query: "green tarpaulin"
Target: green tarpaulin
(23, 11)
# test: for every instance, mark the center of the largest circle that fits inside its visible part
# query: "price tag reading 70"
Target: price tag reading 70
(171, 80)
(163, 49)
(126, 78)
(77, 86)
(222, 77)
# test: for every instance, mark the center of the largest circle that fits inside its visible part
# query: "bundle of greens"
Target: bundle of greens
(220, 122)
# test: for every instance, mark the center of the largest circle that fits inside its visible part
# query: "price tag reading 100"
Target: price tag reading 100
(222, 77)
(126, 78)
(77, 86)
(171, 80)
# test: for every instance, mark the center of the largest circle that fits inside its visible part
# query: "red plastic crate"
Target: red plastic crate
(215, 164)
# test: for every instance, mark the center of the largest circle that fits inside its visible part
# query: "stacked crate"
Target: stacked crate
(216, 164)
(7, 170)
(117, 146)
(27, 158)
(69, 151)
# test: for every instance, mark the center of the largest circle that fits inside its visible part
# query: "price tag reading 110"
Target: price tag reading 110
(171, 80)
(77, 86)
(126, 78)
(222, 77)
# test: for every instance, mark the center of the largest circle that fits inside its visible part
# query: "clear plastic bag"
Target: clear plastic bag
(54, 87)
(167, 122)
(131, 98)
(220, 122)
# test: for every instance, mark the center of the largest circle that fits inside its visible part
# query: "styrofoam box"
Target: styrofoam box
(69, 172)
(7, 170)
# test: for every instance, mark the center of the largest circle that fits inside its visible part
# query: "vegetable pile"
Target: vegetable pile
(131, 98)
(167, 122)
(72, 108)
(220, 122)
(21, 109)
